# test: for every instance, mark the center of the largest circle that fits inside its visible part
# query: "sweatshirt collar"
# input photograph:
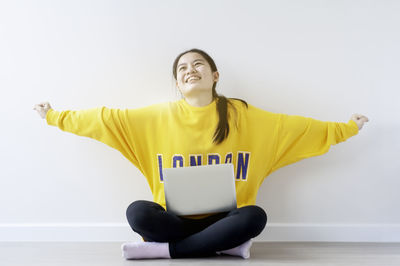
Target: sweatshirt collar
(187, 106)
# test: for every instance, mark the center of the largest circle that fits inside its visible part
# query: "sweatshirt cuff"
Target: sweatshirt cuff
(51, 117)
(354, 125)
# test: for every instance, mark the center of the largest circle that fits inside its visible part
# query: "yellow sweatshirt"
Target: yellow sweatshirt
(176, 134)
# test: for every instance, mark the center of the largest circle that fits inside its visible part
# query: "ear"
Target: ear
(216, 76)
(179, 89)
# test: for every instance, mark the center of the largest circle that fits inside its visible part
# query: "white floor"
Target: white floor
(262, 253)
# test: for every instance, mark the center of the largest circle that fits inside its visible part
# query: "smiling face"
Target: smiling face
(194, 75)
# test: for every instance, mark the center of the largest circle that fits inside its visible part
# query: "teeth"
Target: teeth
(193, 78)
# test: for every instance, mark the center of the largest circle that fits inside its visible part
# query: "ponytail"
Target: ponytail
(222, 130)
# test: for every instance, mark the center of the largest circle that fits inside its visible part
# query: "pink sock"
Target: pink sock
(242, 251)
(145, 250)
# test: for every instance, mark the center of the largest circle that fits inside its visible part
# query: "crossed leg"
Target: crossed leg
(195, 237)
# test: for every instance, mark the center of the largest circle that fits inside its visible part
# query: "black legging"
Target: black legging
(195, 237)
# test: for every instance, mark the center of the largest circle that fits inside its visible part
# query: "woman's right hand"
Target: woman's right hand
(42, 108)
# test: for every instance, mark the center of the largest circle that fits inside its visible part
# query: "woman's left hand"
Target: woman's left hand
(359, 119)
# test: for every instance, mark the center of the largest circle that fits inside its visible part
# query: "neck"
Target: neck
(200, 100)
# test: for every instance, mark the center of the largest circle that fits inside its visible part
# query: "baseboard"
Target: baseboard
(68, 232)
(330, 233)
(274, 232)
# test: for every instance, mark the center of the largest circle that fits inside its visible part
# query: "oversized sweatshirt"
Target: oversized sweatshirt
(177, 134)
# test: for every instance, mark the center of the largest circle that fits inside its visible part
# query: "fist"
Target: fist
(42, 108)
(359, 119)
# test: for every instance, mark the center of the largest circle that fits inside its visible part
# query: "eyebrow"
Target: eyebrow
(193, 62)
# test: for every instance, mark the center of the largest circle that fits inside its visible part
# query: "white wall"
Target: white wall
(322, 59)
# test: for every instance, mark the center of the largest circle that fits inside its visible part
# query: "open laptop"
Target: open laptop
(200, 189)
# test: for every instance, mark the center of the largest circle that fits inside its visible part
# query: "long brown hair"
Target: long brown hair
(222, 130)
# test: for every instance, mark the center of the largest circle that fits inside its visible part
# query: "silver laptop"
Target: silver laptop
(200, 189)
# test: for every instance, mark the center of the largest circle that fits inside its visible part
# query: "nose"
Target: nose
(191, 68)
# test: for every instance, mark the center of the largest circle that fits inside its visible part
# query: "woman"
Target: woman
(201, 128)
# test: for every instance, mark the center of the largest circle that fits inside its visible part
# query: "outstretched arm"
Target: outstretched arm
(109, 126)
(298, 137)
